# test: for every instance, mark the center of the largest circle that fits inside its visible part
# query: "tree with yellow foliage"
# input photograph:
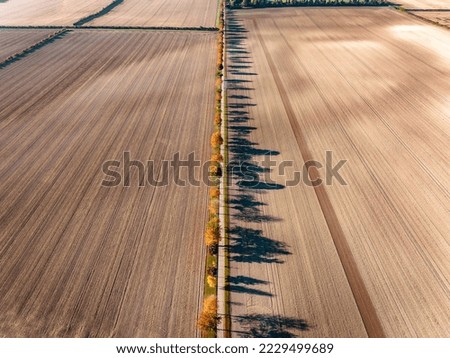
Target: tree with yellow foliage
(216, 139)
(208, 317)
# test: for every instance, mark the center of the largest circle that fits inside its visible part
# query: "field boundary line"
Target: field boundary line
(98, 14)
(325, 4)
(168, 28)
(427, 10)
(29, 50)
(113, 28)
(412, 12)
(362, 298)
(34, 27)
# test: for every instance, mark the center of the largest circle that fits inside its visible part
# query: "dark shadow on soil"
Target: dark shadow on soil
(32, 49)
(243, 167)
(268, 326)
(98, 14)
(248, 290)
(249, 245)
(428, 10)
(258, 4)
(247, 208)
(248, 171)
(246, 280)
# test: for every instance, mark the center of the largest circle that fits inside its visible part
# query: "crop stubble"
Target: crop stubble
(78, 259)
(424, 4)
(47, 12)
(439, 17)
(370, 85)
(182, 13)
(15, 41)
(431, 8)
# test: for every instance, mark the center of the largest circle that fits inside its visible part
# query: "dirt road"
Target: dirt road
(366, 258)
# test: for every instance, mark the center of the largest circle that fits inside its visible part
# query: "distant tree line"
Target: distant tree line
(280, 3)
(100, 13)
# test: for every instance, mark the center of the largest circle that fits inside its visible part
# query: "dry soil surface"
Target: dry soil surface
(424, 4)
(78, 259)
(15, 41)
(366, 258)
(439, 17)
(47, 12)
(181, 13)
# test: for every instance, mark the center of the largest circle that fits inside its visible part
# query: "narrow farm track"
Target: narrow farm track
(79, 259)
(369, 257)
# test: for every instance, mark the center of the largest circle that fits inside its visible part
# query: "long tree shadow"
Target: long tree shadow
(243, 168)
(247, 208)
(249, 4)
(248, 174)
(108, 8)
(243, 284)
(269, 326)
(249, 245)
(34, 48)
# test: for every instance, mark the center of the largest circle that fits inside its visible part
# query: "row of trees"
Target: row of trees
(280, 3)
(208, 320)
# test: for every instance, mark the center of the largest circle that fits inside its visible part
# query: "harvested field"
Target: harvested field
(424, 4)
(369, 258)
(161, 13)
(439, 17)
(78, 259)
(15, 41)
(430, 8)
(47, 12)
